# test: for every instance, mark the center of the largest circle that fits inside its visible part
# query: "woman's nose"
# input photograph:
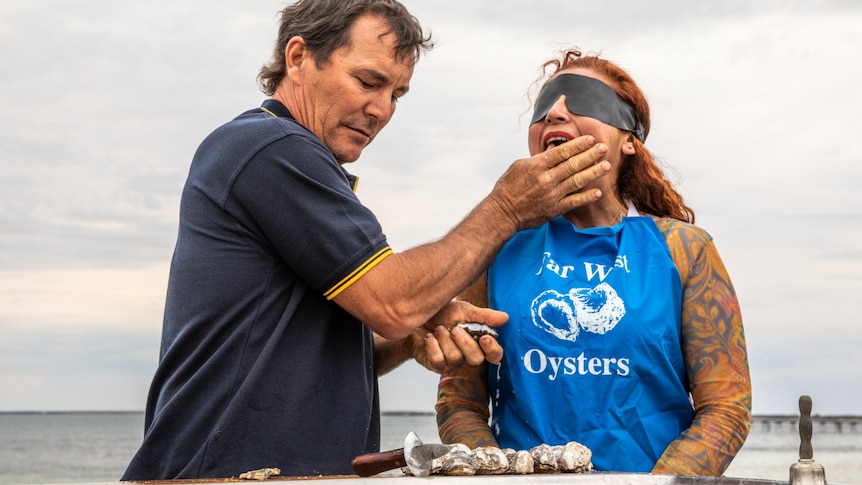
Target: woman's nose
(559, 111)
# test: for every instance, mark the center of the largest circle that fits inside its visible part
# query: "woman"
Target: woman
(624, 329)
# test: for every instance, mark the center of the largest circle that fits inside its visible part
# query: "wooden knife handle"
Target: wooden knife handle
(374, 463)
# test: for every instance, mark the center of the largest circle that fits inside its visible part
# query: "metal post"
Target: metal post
(805, 471)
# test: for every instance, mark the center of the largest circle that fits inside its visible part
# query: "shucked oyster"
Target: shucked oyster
(476, 330)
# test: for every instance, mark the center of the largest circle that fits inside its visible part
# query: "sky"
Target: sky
(755, 117)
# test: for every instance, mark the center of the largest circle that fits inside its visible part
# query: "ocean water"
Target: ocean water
(95, 447)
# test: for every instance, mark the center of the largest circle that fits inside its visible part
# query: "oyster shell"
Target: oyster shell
(459, 461)
(490, 460)
(575, 458)
(572, 457)
(544, 458)
(261, 474)
(520, 462)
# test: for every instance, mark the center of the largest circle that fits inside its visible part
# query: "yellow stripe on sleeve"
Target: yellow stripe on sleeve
(358, 272)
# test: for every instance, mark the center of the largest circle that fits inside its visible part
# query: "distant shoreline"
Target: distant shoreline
(43, 413)
(756, 417)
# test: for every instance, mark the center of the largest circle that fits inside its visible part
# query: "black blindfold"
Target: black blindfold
(587, 96)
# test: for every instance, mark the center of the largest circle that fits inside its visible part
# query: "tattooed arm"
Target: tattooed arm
(462, 395)
(715, 356)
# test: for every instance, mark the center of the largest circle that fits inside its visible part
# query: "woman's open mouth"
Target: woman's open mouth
(556, 138)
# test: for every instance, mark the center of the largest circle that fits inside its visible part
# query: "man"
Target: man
(285, 301)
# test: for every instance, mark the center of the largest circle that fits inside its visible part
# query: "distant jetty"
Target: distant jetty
(766, 422)
(822, 424)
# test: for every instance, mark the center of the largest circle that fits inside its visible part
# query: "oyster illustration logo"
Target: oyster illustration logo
(553, 313)
(596, 310)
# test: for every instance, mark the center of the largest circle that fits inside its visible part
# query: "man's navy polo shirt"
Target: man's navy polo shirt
(258, 367)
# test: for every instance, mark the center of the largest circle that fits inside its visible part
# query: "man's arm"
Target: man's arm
(389, 354)
(405, 290)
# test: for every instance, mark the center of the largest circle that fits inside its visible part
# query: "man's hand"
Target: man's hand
(441, 346)
(536, 189)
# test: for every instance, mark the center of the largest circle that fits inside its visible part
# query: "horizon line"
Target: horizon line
(407, 413)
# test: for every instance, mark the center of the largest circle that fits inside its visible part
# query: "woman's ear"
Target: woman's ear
(629, 145)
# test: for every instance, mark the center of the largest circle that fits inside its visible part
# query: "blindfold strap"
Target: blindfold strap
(587, 96)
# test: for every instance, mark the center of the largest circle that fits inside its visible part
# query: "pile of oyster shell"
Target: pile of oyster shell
(572, 457)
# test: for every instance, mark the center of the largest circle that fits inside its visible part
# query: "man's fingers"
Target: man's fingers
(578, 180)
(472, 352)
(582, 161)
(574, 184)
(474, 314)
(434, 358)
(578, 171)
(556, 155)
(491, 348)
(451, 352)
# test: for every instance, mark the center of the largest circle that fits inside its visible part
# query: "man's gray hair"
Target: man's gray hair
(325, 26)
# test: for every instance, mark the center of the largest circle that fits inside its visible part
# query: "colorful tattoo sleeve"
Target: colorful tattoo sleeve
(715, 355)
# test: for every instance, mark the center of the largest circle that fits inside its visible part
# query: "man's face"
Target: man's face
(351, 97)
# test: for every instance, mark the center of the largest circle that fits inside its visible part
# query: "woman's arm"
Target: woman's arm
(716, 359)
(462, 407)
(462, 395)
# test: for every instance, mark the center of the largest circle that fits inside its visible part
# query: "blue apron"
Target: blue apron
(592, 346)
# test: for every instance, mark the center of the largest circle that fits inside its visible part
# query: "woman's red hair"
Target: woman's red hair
(640, 180)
